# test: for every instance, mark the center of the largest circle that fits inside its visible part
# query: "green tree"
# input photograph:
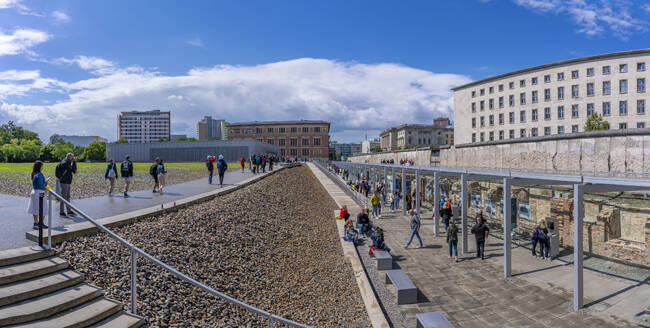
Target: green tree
(47, 154)
(11, 131)
(21, 150)
(96, 151)
(377, 150)
(186, 139)
(63, 148)
(121, 141)
(595, 122)
(55, 138)
(162, 140)
(214, 138)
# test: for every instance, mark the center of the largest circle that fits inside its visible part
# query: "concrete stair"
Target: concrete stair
(37, 289)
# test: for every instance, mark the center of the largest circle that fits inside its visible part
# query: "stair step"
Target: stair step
(28, 270)
(23, 254)
(121, 320)
(26, 289)
(81, 316)
(48, 305)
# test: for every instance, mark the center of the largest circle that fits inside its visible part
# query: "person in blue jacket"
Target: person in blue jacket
(111, 175)
(222, 166)
(39, 185)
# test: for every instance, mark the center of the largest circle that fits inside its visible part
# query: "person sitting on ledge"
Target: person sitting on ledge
(343, 213)
(363, 222)
(378, 240)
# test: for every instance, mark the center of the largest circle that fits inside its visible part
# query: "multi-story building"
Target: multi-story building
(442, 121)
(346, 149)
(555, 98)
(82, 141)
(209, 128)
(296, 139)
(144, 126)
(367, 146)
(411, 135)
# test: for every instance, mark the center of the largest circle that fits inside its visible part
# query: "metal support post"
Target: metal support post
(403, 191)
(40, 246)
(49, 220)
(436, 204)
(392, 183)
(134, 280)
(507, 225)
(417, 192)
(463, 211)
(578, 215)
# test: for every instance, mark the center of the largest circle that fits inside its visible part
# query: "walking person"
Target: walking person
(251, 161)
(39, 185)
(263, 164)
(242, 162)
(397, 197)
(446, 214)
(153, 171)
(391, 199)
(126, 168)
(415, 228)
(161, 175)
(480, 231)
(64, 171)
(544, 241)
(111, 175)
(258, 162)
(452, 238)
(209, 163)
(222, 166)
(271, 160)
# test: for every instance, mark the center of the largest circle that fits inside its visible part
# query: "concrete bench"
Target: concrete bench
(432, 320)
(407, 293)
(384, 260)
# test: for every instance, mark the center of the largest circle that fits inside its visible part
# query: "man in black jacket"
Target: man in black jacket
(64, 171)
(126, 168)
(480, 231)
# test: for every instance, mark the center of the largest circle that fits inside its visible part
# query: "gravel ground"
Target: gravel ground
(90, 181)
(278, 253)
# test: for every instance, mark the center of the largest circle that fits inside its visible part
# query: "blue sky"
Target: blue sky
(69, 67)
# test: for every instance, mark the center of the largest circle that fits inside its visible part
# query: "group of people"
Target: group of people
(156, 170)
(258, 163)
(222, 166)
(365, 229)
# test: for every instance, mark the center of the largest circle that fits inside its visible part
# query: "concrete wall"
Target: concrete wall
(186, 151)
(421, 157)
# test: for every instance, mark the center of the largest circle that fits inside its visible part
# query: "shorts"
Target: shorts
(155, 178)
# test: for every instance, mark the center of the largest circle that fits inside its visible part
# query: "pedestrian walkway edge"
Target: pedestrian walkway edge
(375, 313)
(74, 230)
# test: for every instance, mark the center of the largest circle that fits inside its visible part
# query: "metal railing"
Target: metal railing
(271, 318)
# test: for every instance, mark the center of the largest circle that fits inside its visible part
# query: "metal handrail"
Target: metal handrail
(135, 250)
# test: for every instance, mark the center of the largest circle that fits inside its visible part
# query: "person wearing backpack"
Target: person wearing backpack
(415, 228)
(452, 238)
(209, 163)
(153, 172)
(64, 171)
(480, 231)
(111, 175)
(160, 172)
(543, 240)
(126, 169)
(446, 214)
(222, 166)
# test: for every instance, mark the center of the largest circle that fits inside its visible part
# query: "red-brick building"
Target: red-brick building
(296, 139)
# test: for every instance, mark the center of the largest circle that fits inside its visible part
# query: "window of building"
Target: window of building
(533, 81)
(491, 119)
(511, 100)
(294, 141)
(560, 76)
(305, 152)
(560, 93)
(574, 129)
(281, 142)
(482, 104)
(547, 78)
(482, 136)
(491, 90)
(491, 103)
(622, 68)
(522, 98)
(473, 107)
(640, 125)
(640, 106)
(534, 97)
(622, 86)
(640, 85)
(294, 130)
(590, 71)
(305, 142)
(547, 131)
(482, 92)
(511, 85)
(293, 152)
(560, 129)
(237, 131)
(501, 135)
(522, 83)
(501, 119)
(547, 94)
(248, 131)
(622, 126)
(533, 132)
(547, 113)
(269, 130)
(317, 129)
(607, 87)
(640, 67)
(575, 111)
(533, 115)
(606, 70)
(270, 141)
(522, 133)
(482, 121)
(491, 135)
(590, 89)
(574, 75)
(607, 108)
(473, 93)
(500, 87)
(522, 116)
(305, 130)
(590, 109)
(575, 91)
(560, 112)
(511, 134)
(281, 130)
(622, 107)
(500, 102)
(473, 137)
(473, 122)
(258, 130)
(511, 117)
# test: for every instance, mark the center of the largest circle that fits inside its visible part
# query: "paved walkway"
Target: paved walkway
(15, 221)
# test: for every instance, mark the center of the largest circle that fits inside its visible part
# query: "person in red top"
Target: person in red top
(242, 162)
(344, 212)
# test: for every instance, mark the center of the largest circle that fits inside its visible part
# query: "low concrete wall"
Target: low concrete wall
(421, 157)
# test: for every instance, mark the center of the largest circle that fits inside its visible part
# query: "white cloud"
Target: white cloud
(4, 4)
(594, 17)
(20, 41)
(195, 41)
(20, 7)
(14, 75)
(353, 96)
(60, 17)
(95, 65)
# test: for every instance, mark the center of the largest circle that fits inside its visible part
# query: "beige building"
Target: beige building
(554, 98)
(411, 135)
(211, 129)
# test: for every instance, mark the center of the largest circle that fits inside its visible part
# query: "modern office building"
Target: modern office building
(144, 126)
(296, 139)
(346, 149)
(82, 141)
(411, 135)
(555, 98)
(209, 128)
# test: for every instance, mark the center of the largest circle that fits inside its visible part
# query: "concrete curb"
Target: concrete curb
(375, 313)
(86, 228)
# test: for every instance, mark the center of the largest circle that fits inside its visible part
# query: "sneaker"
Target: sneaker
(35, 226)
(62, 214)
(126, 195)
(45, 226)
(155, 190)
(70, 213)
(406, 246)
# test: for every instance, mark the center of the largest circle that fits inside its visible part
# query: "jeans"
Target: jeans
(480, 248)
(363, 230)
(544, 247)
(210, 177)
(375, 210)
(392, 205)
(454, 244)
(65, 193)
(414, 232)
(221, 178)
(534, 241)
(397, 204)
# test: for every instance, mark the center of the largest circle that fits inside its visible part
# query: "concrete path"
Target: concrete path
(15, 221)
